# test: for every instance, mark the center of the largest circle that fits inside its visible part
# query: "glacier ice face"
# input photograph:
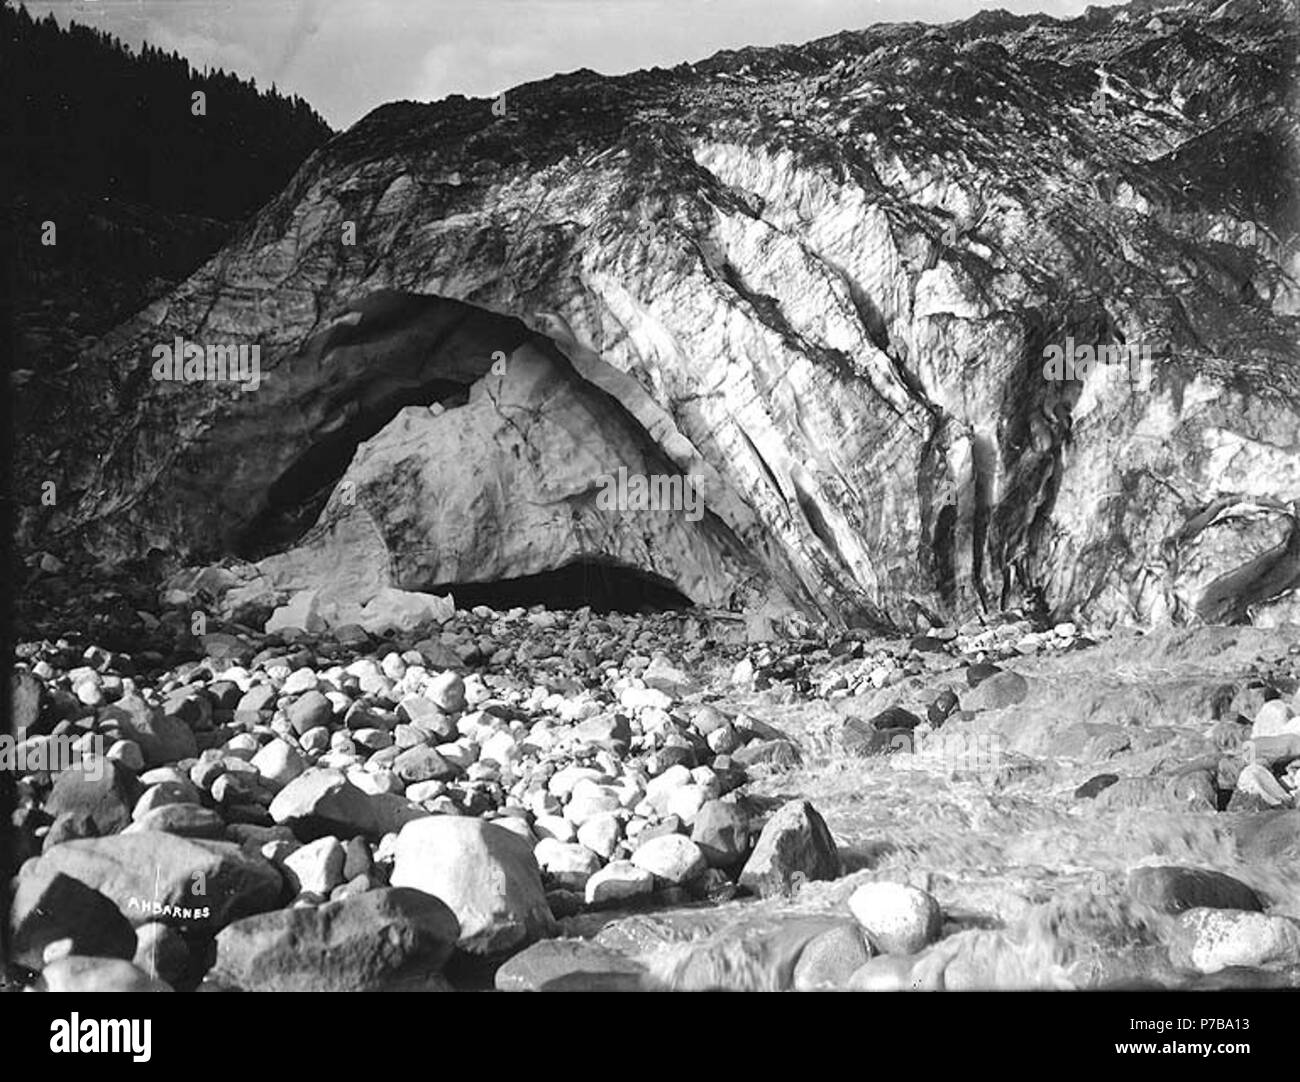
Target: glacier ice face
(824, 284)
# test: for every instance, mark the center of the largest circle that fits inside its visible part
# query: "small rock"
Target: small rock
(613, 732)
(50, 906)
(279, 762)
(659, 789)
(858, 738)
(26, 695)
(438, 656)
(191, 708)
(776, 754)
(321, 802)
(794, 843)
(942, 707)
(128, 753)
(487, 876)
(721, 830)
(591, 801)
(1257, 781)
(1209, 940)
(1174, 889)
(256, 704)
(426, 716)
(105, 796)
(570, 865)
(1094, 785)
(168, 792)
(898, 919)
(242, 746)
(447, 692)
(238, 788)
(979, 672)
(351, 888)
(187, 820)
(207, 770)
(829, 961)
(635, 698)
(357, 859)
(708, 718)
(461, 754)
(81, 973)
(686, 801)
(161, 739)
(381, 940)
(619, 881)
(309, 711)
(894, 717)
(673, 858)
(723, 740)
(563, 782)
(300, 680)
(1274, 752)
(423, 763)
(316, 867)
(996, 692)
(670, 824)
(1273, 719)
(601, 834)
(568, 965)
(555, 826)
(665, 677)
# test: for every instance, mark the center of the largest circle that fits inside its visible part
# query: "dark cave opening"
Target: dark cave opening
(299, 495)
(413, 350)
(604, 587)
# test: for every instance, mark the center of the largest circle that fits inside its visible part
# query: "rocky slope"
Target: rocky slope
(820, 279)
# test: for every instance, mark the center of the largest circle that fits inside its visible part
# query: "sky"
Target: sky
(346, 57)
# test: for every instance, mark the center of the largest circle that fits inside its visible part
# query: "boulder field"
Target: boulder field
(545, 800)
